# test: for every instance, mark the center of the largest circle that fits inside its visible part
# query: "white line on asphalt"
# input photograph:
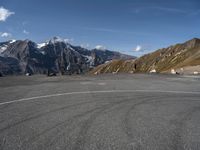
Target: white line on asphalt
(93, 92)
(101, 83)
(85, 83)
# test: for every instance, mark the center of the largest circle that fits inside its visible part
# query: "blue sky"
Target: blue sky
(131, 26)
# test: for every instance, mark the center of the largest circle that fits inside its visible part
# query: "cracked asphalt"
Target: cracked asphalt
(105, 112)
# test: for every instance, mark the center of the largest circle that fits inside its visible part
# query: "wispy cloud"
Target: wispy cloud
(115, 31)
(195, 13)
(24, 23)
(100, 47)
(85, 45)
(138, 48)
(102, 29)
(5, 13)
(172, 10)
(159, 8)
(25, 32)
(5, 35)
(187, 12)
(68, 40)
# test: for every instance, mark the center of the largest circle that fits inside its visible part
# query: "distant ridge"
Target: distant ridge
(176, 57)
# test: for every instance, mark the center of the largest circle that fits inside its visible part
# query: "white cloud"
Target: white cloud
(25, 32)
(68, 40)
(5, 13)
(85, 45)
(161, 9)
(100, 47)
(5, 35)
(59, 39)
(138, 48)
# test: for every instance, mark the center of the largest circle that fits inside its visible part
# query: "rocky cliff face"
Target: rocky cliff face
(56, 55)
(60, 56)
(162, 60)
(9, 66)
(29, 57)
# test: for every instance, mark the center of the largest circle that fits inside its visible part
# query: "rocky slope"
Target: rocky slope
(176, 57)
(55, 55)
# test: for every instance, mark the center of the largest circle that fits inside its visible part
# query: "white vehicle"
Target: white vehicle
(153, 71)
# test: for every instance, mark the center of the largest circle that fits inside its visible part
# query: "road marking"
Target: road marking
(94, 83)
(94, 92)
(85, 83)
(101, 83)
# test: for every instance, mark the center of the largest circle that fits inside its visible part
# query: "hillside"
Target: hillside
(176, 57)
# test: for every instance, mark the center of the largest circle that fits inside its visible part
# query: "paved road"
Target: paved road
(108, 112)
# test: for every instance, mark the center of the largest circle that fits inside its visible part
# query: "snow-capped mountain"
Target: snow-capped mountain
(51, 41)
(55, 55)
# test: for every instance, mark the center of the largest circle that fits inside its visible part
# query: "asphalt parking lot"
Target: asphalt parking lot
(105, 112)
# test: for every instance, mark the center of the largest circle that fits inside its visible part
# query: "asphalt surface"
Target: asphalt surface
(107, 112)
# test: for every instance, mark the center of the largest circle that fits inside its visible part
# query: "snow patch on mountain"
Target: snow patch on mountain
(54, 40)
(3, 48)
(41, 45)
(90, 60)
(12, 41)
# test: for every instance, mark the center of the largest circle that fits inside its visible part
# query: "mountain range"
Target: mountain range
(55, 55)
(58, 56)
(179, 58)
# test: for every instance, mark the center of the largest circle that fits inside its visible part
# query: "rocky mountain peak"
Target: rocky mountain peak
(193, 43)
(57, 39)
